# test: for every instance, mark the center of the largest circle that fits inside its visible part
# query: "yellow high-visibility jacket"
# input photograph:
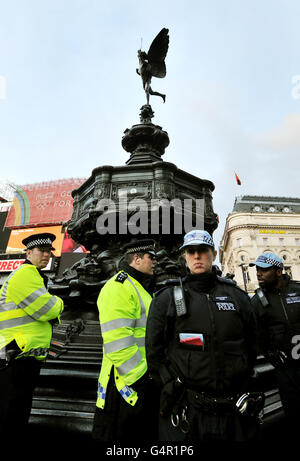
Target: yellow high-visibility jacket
(26, 307)
(123, 306)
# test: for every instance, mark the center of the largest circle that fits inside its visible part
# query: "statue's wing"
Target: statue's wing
(158, 52)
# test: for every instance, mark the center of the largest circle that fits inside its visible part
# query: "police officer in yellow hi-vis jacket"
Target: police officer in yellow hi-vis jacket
(27, 312)
(125, 407)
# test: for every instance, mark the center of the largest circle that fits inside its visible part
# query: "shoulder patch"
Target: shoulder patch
(121, 277)
(158, 292)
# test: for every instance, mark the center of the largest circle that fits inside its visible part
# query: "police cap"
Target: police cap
(42, 240)
(140, 246)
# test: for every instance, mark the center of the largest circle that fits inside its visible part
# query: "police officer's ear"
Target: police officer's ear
(279, 272)
(214, 254)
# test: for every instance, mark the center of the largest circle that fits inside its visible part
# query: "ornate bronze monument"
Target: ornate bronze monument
(161, 186)
(145, 196)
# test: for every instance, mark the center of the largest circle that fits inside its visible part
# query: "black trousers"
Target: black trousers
(288, 380)
(17, 383)
(123, 423)
(205, 427)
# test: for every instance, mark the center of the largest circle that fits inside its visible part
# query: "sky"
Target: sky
(69, 89)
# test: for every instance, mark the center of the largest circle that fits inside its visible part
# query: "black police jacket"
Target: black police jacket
(219, 316)
(279, 321)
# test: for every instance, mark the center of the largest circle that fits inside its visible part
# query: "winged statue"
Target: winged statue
(152, 64)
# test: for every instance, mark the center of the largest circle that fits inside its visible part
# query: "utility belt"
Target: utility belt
(211, 404)
(250, 404)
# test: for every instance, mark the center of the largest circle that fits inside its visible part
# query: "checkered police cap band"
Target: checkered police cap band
(140, 249)
(271, 261)
(204, 238)
(197, 237)
(39, 243)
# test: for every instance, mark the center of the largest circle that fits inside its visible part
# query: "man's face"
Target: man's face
(268, 277)
(39, 257)
(145, 264)
(199, 259)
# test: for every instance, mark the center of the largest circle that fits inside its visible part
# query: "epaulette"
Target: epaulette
(167, 284)
(225, 280)
(121, 277)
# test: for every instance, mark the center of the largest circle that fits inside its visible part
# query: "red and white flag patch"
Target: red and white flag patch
(195, 339)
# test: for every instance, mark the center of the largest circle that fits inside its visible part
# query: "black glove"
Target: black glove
(171, 394)
(251, 403)
(277, 358)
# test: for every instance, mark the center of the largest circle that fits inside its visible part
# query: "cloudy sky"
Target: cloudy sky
(69, 89)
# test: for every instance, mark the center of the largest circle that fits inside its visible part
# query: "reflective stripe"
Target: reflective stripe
(101, 391)
(35, 352)
(3, 294)
(8, 306)
(45, 308)
(122, 343)
(119, 344)
(117, 323)
(140, 342)
(126, 392)
(141, 322)
(130, 364)
(32, 297)
(15, 322)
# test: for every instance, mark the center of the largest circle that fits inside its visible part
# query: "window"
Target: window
(288, 271)
(247, 276)
(265, 240)
(297, 241)
(239, 242)
(281, 241)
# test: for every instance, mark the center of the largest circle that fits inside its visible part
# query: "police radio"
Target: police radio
(179, 300)
(262, 297)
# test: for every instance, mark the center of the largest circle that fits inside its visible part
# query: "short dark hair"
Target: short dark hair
(128, 258)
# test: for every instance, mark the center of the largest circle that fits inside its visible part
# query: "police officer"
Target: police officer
(201, 350)
(124, 408)
(277, 304)
(27, 311)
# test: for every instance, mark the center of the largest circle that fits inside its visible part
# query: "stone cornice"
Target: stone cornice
(228, 230)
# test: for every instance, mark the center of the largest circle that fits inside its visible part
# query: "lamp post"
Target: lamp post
(242, 266)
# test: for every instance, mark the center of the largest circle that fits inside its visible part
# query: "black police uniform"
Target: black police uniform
(201, 382)
(278, 323)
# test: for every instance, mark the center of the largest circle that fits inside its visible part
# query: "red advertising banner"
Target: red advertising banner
(42, 203)
(9, 265)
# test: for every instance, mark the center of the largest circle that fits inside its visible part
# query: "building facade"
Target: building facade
(256, 225)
